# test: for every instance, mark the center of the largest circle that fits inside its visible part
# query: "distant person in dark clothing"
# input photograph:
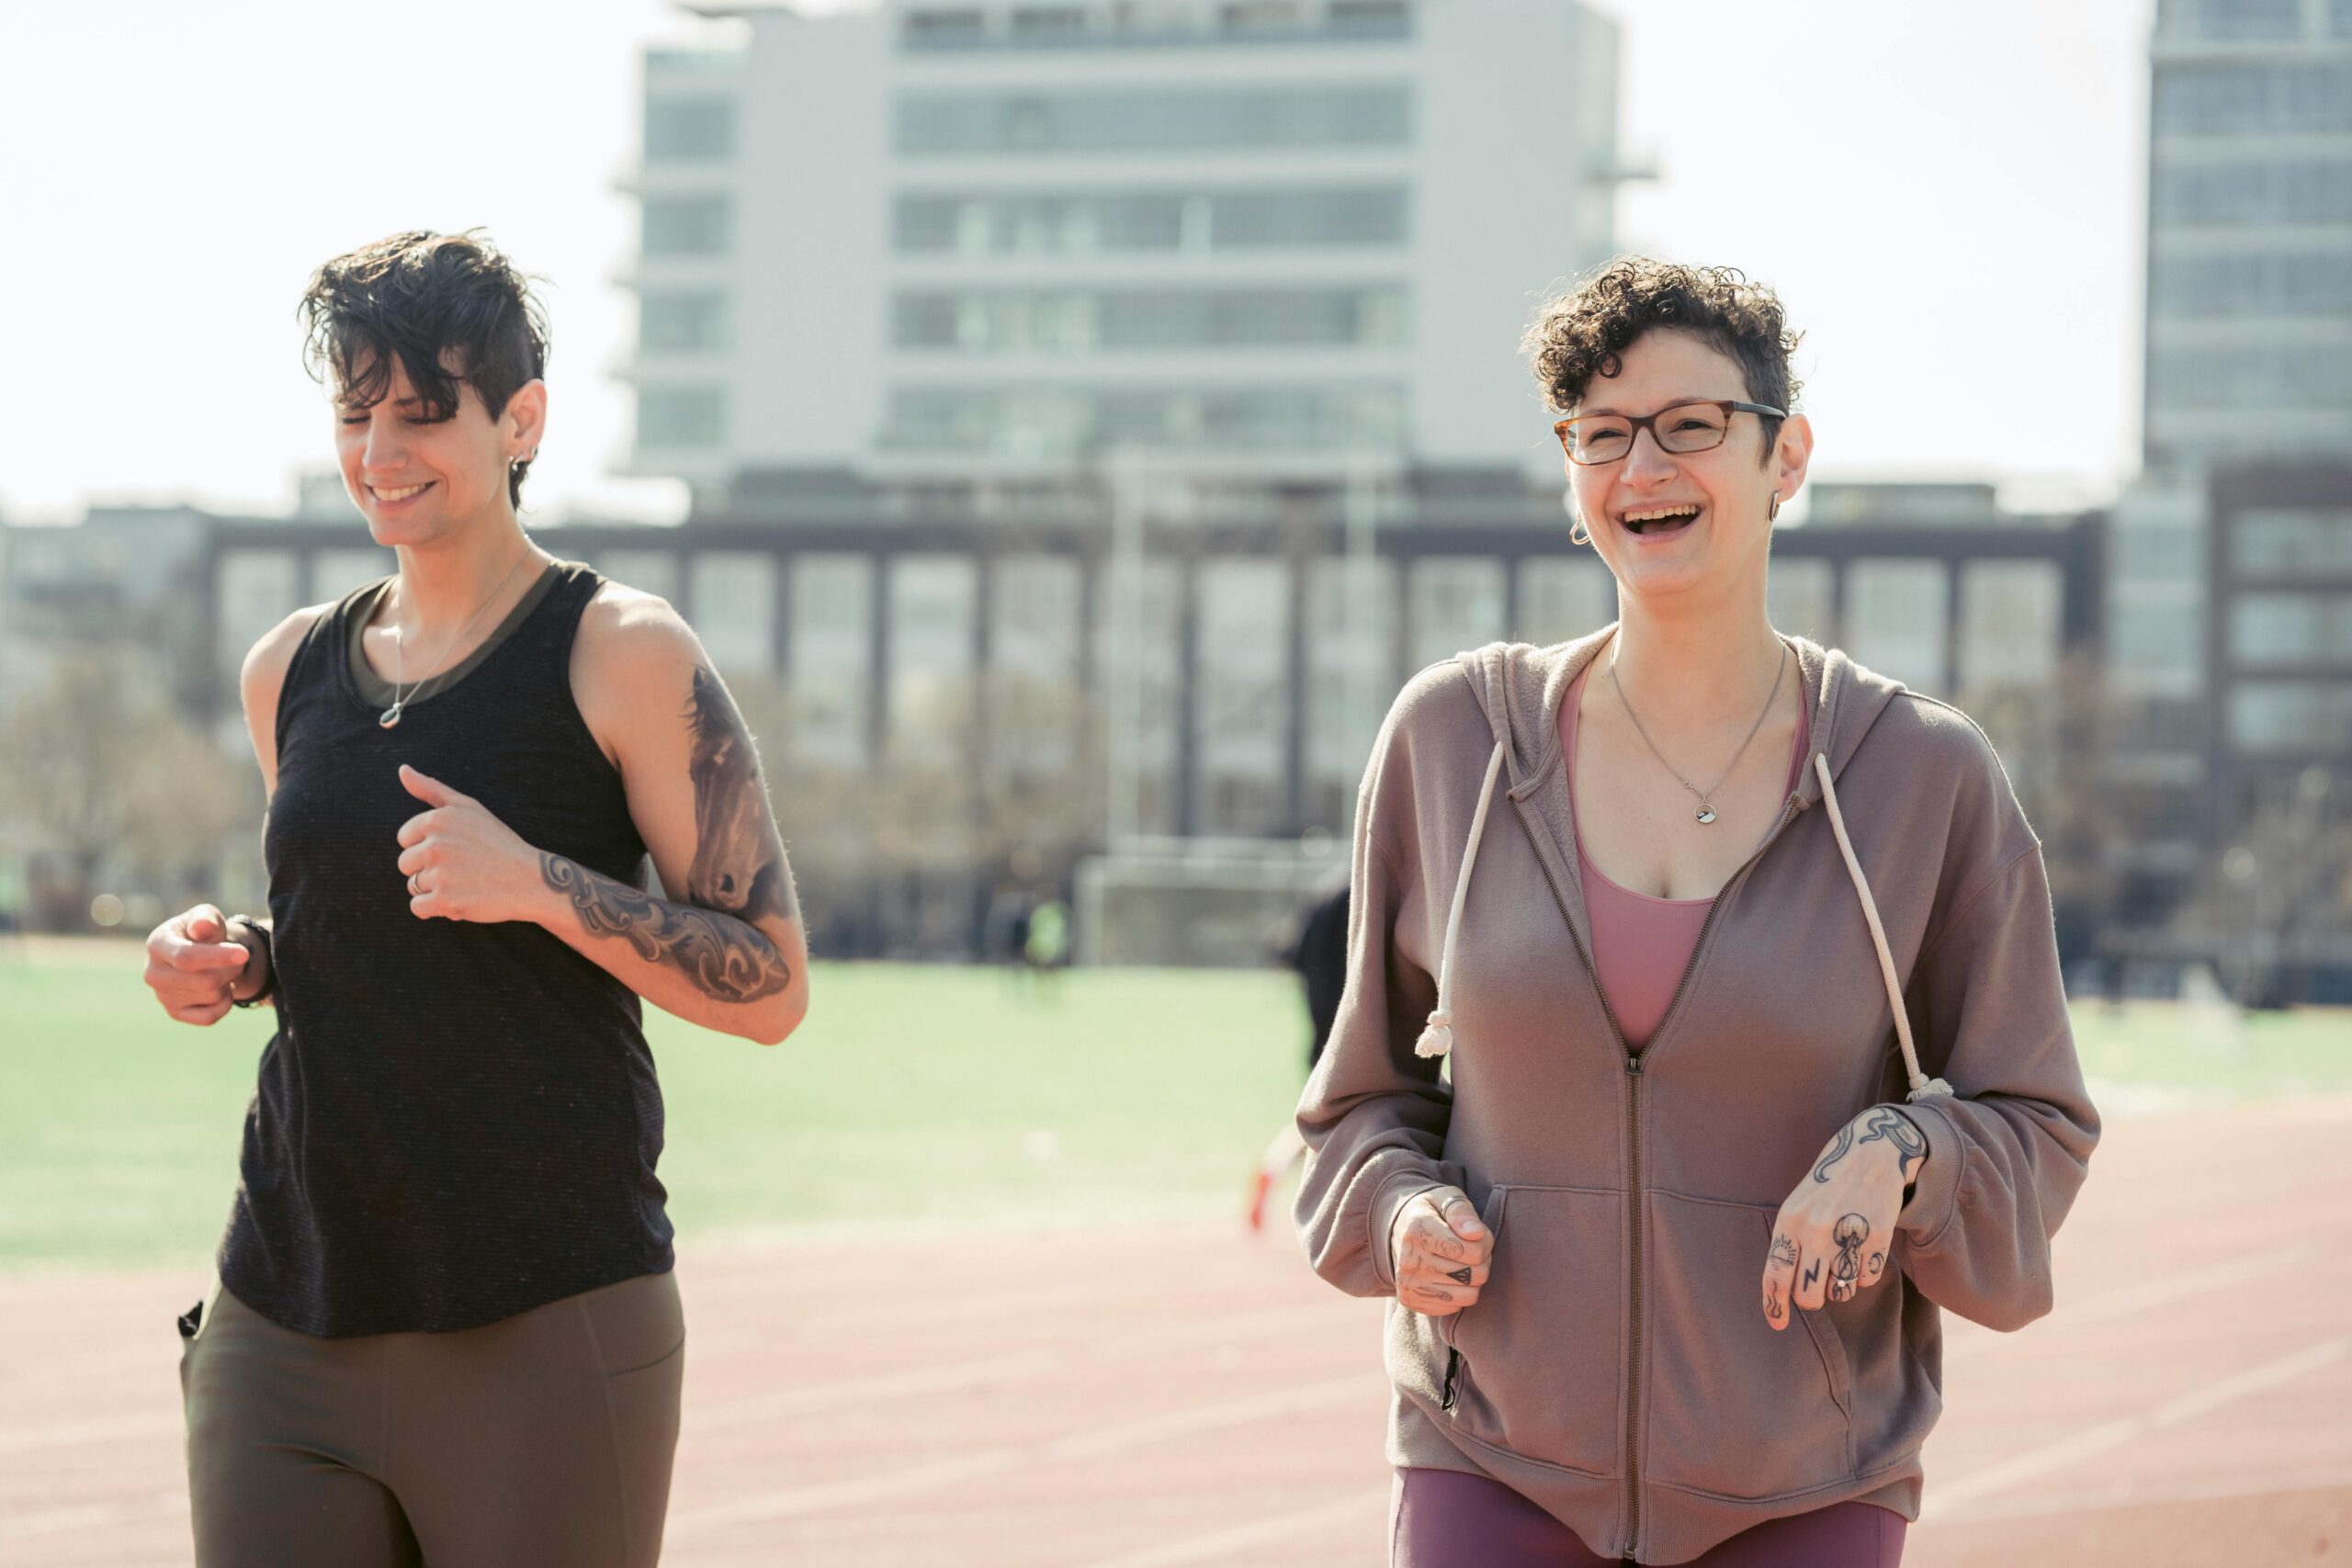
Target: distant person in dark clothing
(1319, 950)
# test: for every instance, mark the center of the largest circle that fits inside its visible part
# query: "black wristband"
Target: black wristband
(261, 940)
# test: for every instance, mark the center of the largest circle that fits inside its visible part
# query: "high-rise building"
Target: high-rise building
(964, 238)
(2237, 668)
(2249, 298)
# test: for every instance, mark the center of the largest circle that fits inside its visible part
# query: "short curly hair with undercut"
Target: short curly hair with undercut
(420, 299)
(1582, 333)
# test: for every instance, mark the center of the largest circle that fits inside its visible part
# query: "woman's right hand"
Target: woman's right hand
(192, 964)
(1439, 1247)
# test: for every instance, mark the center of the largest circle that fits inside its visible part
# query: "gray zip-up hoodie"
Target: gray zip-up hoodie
(1617, 1366)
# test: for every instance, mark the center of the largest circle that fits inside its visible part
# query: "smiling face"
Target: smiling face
(417, 476)
(1629, 506)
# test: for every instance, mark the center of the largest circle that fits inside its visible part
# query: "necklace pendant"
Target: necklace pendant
(1706, 813)
(390, 716)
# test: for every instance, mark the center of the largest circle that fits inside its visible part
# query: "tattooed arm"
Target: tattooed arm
(724, 948)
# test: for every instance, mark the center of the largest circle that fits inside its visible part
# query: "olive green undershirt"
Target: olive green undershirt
(374, 688)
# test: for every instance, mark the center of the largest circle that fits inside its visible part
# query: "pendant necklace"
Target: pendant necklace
(391, 716)
(1706, 811)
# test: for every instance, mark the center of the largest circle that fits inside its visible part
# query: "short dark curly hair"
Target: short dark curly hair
(413, 296)
(1582, 333)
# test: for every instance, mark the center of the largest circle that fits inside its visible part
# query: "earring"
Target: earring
(1774, 510)
(1576, 533)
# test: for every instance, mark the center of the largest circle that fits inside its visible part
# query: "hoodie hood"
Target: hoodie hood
(1519, 689)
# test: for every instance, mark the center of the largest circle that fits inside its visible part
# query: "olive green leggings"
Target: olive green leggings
(543, 1439)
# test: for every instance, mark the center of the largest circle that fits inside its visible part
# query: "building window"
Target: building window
(1896, 616)
(1061, 421)
(1451, 602)
(1241, 716)
(1043, 24)
(2273, 541)
(1138, 120)
(1152, 221)
(681, 416)
(733, 604)
(1562, 597)
(2290, 716)
(685, 130)
(2291, 628)
(1051, 322)
(2222, 99)
(2248, 18)
(2011, 623)
(1371, 18)
(688, 225)
(2297, 283)
(673, 321)
(942, 29)
(932, 601)
(2272, 191)
(2212, 378)
(831, 634)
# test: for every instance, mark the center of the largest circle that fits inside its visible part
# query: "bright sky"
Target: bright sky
(1949, 198)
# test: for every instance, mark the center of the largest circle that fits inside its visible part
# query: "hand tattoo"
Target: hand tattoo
(1852, 1231)
(728, 959)
(1813, 1273)
(1461, 1274)
(1891, 1127)
(1784, 1251)
(1885, 1124)
(1772, 1306)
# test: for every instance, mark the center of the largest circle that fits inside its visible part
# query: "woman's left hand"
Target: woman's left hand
(1831, 1238)
(462, 863)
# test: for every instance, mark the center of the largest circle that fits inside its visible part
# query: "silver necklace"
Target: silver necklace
(1706, 811)
(391, 716)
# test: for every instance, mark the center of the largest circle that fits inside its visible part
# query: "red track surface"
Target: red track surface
(1148, 1401)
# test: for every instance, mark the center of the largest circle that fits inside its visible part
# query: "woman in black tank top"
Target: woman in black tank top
(447, 1330)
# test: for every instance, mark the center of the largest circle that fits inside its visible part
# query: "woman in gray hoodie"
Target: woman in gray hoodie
(1728, 976)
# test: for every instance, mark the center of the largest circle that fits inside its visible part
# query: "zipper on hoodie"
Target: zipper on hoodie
(1634, 1140)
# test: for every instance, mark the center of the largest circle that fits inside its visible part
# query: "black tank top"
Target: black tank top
(456, 1121)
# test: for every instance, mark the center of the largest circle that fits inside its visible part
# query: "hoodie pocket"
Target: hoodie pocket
(1540, 1359)
(1734, 1410)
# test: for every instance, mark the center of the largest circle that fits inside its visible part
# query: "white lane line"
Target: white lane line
(93, 1516)
(2038, 1462)
(1073, 1448)
(2140, 1494)
(991, 1372)
(1349, 1510)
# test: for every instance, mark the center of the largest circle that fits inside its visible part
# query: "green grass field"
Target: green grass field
(914, 1096)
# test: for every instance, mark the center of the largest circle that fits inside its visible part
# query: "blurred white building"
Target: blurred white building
(966, 238)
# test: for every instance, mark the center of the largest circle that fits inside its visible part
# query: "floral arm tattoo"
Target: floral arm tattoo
(737, 876)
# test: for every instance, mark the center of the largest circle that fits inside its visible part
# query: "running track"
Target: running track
(1150, 1401)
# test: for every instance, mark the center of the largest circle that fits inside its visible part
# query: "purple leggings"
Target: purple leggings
(1444, 1518)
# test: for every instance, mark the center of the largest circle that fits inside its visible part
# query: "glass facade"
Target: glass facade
(1041, 420)
(1241, 717)
(2011, 623)
(833, 658)
(2291, 628)
(2292, 717)
(2198, 376)
(1801, 599)
(2285, 190)
(934, 603)
(2222, 98)
(1896, 616)
(1561, 597)
(2316, 282)
(731, 596)
(699, 225)
(335, 573)
(1349, 678)
(684, 131)
(1156, 119)
(1015, 321)
(1088, 222)
(681, 417)
(1453, 603)
(682, 322)
(2266, 540)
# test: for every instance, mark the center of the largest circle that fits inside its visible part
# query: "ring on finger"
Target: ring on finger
(413, 886)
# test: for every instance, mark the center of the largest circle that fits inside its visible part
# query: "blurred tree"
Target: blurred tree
(111, 787)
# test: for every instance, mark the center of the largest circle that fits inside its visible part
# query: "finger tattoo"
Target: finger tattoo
(1813, 1273)
(1878, 1262)
(1784, 1251)
(1852, 1231)
(1461, 1274)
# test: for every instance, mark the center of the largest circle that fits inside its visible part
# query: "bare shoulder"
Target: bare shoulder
(263, 675)
(632, 666)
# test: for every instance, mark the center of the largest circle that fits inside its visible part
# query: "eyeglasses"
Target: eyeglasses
(1684, 428)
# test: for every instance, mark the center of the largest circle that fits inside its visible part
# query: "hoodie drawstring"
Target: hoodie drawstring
(1438, 1038)
(1922, 1086)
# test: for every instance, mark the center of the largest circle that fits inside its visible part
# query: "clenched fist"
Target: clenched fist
(195, 968)
(1439, 1247)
